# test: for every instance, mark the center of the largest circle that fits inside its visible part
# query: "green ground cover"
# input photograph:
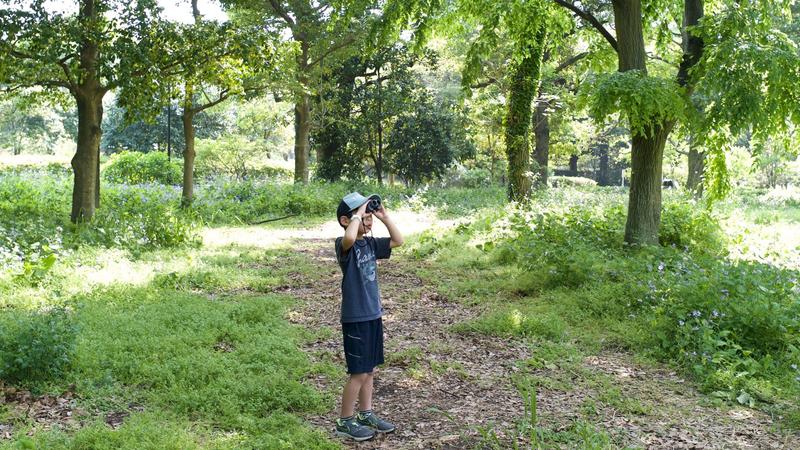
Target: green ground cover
(554, 273)
(133, 315)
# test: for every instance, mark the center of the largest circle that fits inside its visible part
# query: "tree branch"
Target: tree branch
(592, 20)
(222, 97)
(343, 43)
(571, 60)
(63, 63)
(483, 84)
(8, 89)
(278, 9)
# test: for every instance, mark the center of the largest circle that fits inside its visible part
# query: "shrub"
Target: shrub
(140, 216)
(477, 177)
(685, 224)
(35, 346)
(33, 215)
(734, 325)
(137, 168)
(781, 196)
(562, 181)
(231, 155)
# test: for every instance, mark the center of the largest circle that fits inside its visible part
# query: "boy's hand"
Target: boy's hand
(381, 213)
(362, 210)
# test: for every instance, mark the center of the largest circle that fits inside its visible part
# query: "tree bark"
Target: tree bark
(379, 162)
(302, 126)
(602, 171)
(88, 94)
(188, 157)
(697, 164)
(541, 153)
(692, 52)
(644, 200)
(573, 164)
(85, 163)
(524, 84)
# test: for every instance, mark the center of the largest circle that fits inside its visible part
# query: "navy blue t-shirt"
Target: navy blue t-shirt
(361, 298)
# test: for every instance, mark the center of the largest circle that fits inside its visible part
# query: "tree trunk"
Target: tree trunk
(188, 157)
(697, 166)
(692, 52)
(644, 200)
(89, 98)
(379, 164)
(541, 153)
(573, 165)
(85, 163)
(603, 177)
(492, 156)
(302, 126)
(524, 84)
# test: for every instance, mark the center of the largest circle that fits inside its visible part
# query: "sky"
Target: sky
(174, 10)
(181, 10)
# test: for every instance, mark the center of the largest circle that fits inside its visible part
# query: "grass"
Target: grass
(192, 342)
(572, 297)
(199, 341)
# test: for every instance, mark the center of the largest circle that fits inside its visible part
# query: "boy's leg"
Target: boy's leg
(351, 391)
(365, 394)
(347, 424)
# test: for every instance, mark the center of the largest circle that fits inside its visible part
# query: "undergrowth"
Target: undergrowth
(556, 269)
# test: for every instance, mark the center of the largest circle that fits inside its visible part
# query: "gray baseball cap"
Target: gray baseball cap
(351, 202)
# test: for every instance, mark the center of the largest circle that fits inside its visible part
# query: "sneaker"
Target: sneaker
(352, 429)
(374, 422)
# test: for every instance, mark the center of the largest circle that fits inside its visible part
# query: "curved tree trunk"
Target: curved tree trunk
(692, 52)
(541, 153)
(524, 84)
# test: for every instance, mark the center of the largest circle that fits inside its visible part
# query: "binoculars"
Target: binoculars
(373, 203)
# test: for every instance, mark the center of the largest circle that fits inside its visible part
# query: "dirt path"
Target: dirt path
(450, 391)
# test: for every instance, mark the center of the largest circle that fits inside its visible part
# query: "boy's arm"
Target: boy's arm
(351, 232)
(394, 232)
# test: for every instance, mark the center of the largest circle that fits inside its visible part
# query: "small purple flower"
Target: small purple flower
(725, 292)
(714, 313)
(661, 266)
(681, 323)
(696, 313)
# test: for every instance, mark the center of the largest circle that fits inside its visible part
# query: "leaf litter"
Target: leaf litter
(452, 391)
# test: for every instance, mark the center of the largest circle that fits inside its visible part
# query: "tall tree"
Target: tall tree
(320, 31)
(739, 86)
(217, 61)
(525, 25)
(83, 53)
(29, 128)
(749, 81)
(522, 90)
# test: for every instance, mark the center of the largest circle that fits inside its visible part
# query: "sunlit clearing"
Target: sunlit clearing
(410, 222)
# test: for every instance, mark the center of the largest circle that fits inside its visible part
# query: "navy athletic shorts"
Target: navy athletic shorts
(363, 345)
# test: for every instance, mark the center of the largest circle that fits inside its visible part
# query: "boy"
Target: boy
(362, 328)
